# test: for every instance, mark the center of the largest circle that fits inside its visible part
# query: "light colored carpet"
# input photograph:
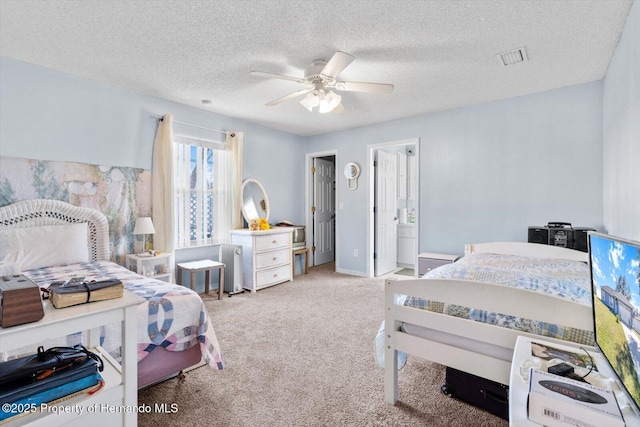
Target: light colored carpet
(301, 354)
(405, 272)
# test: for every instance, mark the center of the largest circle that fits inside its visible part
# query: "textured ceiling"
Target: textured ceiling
(438, 54)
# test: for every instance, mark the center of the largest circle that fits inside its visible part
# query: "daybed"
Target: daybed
(53, 240)
(468, 315)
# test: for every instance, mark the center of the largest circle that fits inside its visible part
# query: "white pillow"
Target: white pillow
(46, 246)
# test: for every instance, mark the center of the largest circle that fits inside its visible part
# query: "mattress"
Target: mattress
(172, 317)
(568, 280)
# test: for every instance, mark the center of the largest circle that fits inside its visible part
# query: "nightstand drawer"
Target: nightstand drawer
(272, 241)
(273, 275)
(428, 261)
(273, 258)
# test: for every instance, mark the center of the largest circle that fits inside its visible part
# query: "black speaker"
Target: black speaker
(580, 241)
(539, 235)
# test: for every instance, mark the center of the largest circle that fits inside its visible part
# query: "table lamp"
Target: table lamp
(144, 226)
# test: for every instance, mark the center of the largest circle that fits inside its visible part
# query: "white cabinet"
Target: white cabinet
(156, 266)
(266, 256)
(120, 388)
(428, 261)
(406, 245)
(519, 387)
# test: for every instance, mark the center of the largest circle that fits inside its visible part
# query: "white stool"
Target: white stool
(207, 266)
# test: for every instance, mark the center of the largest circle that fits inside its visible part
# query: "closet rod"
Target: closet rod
(194, 126)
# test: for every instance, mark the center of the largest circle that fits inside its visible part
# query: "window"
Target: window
(200, 187)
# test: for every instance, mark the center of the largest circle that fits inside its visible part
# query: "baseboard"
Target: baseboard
(351, 272)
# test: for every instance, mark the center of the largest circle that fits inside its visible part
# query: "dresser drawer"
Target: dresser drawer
(272, 241)
(273, 275)
(273, 258)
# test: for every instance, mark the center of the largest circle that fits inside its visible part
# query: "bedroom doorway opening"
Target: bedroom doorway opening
(321, 208)
(394, 201)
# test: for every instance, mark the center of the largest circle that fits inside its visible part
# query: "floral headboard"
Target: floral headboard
(39, 212)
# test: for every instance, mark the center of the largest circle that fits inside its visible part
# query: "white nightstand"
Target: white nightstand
(120, 389)
(156, 266)
(428, 261)
(519, 388)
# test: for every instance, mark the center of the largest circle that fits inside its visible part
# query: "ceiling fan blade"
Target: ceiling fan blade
(336, 64)
(364, 87)
(277, 76)
(288, 97)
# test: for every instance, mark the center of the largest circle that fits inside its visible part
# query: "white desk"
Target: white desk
(120, 387)
(519, 388)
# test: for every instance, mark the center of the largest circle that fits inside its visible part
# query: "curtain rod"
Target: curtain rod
(195, 126)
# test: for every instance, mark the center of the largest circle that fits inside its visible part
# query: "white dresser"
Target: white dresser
(266, 256)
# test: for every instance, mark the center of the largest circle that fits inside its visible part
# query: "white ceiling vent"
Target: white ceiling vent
(513, 56)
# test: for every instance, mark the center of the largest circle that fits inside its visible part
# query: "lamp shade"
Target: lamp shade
(144, 225)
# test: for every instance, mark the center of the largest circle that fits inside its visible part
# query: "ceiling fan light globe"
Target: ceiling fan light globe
(329, 102)
(315, 99)
(312, 99)
(306, 103)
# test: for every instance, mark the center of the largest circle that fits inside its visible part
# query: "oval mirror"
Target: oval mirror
(255, 203)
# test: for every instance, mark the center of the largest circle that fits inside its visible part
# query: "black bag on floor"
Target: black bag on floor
(491, 396)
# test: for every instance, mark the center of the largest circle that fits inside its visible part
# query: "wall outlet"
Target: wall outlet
(355, 253)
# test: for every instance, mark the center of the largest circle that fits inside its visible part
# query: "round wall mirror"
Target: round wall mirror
(255, 203)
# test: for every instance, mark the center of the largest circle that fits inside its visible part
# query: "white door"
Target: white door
(385, 202)
(324, 196)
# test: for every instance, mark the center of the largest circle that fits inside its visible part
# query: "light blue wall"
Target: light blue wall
(622, 133)
(48, 115)
(487, 172)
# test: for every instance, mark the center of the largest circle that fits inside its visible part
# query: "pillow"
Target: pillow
(46, 246)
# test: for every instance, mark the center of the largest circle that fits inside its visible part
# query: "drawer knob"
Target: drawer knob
(275, 275)
(274, 241)
(275, 259)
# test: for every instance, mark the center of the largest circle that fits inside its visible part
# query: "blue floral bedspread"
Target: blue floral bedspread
(172, 316)
(568, 280)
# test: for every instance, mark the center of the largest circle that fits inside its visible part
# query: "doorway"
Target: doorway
(394, 200)
(321, 208)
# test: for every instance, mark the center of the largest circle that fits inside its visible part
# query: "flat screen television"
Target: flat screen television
(615, 277)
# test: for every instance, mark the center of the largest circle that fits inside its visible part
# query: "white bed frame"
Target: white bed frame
(39, 212)
(160, 363)
(452, 341)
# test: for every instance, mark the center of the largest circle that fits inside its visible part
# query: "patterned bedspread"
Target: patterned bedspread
(568, 280)
(172, 316)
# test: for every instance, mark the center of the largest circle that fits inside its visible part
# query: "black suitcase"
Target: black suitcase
(491, 396)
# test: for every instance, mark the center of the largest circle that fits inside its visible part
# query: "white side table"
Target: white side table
(156, 266)
(519, 388)
(121, 382)
(428, 261)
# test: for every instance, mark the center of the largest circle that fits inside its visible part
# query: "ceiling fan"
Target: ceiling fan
(319, 78)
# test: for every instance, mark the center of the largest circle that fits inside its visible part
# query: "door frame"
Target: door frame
(371, 150)
(308, 201)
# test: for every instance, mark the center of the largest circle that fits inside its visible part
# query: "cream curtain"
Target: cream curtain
(234, 147)
(162, 189)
